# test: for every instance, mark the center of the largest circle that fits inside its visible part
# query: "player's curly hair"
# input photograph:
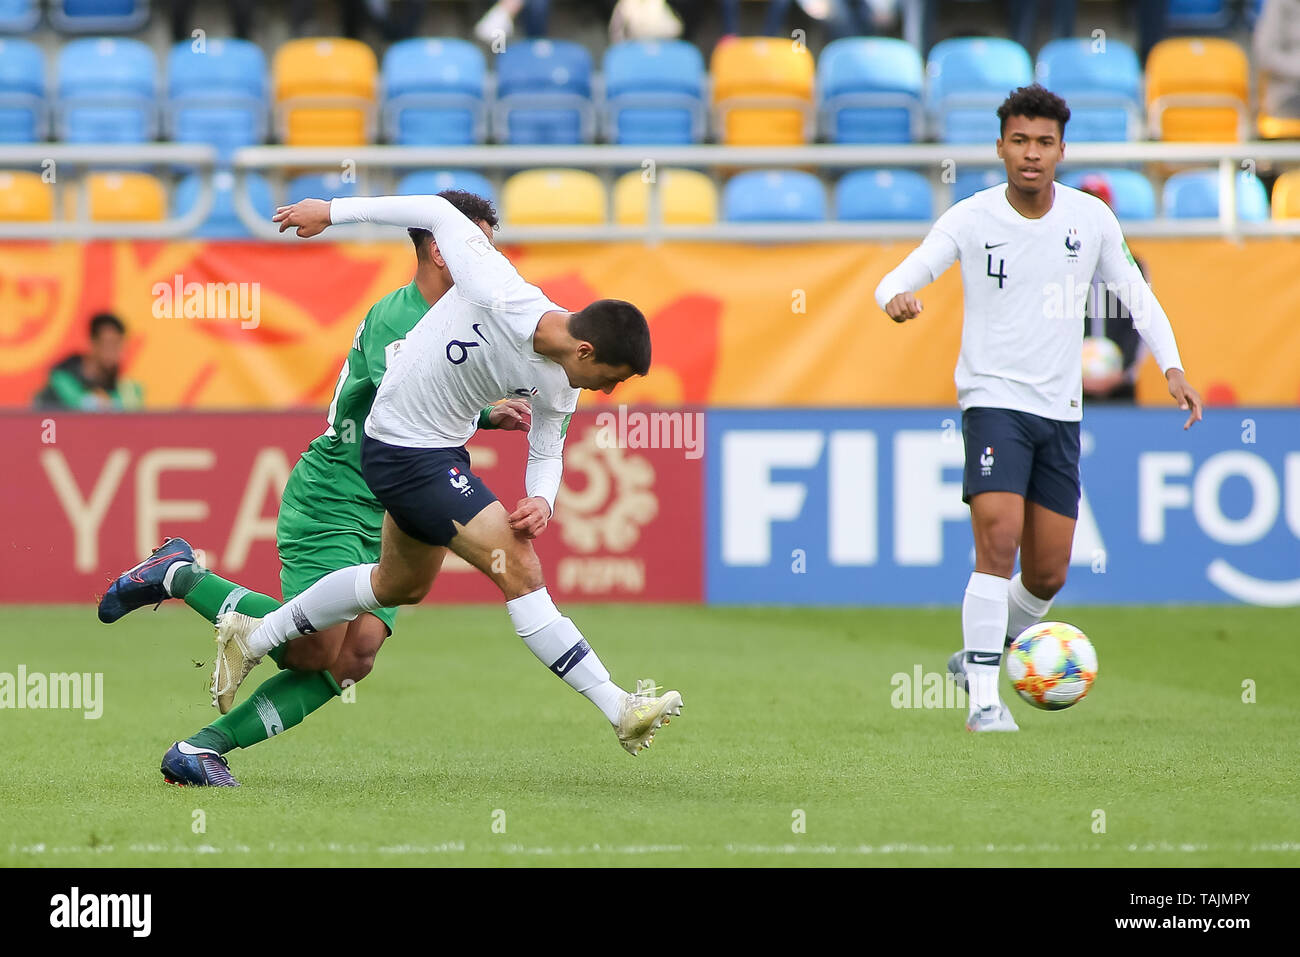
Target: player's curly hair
(474, 206)
(1032, 102)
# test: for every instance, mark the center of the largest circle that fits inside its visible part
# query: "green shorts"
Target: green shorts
(310, 549)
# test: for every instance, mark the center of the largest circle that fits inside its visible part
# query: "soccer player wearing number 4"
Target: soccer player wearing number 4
(1028, 251)
(491, 335)
(328, 520)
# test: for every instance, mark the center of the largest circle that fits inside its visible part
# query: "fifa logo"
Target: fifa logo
(1073, 243)
(986, 462)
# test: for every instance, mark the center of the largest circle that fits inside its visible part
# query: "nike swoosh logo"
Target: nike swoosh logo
(148, 564)
(995, 245)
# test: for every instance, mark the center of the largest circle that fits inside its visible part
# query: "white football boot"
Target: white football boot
(643, 713)
(234, 661)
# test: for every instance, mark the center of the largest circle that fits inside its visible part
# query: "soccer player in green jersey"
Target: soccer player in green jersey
(328, 520)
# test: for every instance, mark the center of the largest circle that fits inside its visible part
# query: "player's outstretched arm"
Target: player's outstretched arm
(1187, 398)
(545, 468)
(310, 217)
(896, 293)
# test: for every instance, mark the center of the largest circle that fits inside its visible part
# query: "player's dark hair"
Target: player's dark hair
(1032, 102)
(105, 320)
(475, 207)
(617, 332)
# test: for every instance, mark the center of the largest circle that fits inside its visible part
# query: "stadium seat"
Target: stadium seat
(554, 197)
(319, 186)
(99, 16)
(217, 96)
(1198, 90)
(1197, 15)
(25, 197)
(324, 92)
(22, 92)
(762, 92)
(1286, 195)
(654, 93)
(434, 93)
(969, 79)
(687, 198)
(884, 194)
(543, 94)
(969, 181)
(1132, 195)
(773, 195)
(223, 222)
(1102, 86)
(428, 182)
(19, 16)
(1194, 194)
(125, 197)
(870, 91)
(106, 91)
(1274, 127)
(1252, 11)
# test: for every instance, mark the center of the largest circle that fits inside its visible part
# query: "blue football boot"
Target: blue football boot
(184, 764)
(143, 584)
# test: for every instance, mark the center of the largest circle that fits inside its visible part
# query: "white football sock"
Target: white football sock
(338, 597)
(558, 644)
(1024, 609)
(170, 574)
(984, 628)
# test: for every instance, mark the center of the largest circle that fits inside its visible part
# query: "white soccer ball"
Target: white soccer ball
(1102, 358)
(1052, 665)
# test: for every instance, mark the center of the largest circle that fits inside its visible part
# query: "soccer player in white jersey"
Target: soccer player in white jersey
(492, 334)
(1028, 250)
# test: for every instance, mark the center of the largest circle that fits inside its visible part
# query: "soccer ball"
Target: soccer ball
(1101, 358)
(1052, 665)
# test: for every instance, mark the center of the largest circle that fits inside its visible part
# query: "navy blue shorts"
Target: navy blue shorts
(425, 490)
(1011, 451)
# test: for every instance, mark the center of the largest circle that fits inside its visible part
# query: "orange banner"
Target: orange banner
(250, 325)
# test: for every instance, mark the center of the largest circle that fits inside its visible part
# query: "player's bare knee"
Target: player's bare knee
(522, 575)
(403, 590)
(1046, 583)
(997, 549)
(308, 654)
(353, 664)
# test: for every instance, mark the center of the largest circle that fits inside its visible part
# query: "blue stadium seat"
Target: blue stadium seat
(884, 194)
(19, 16)
(428, 182)
(1132, 195)
(773, 195)
(217, 96)
(870, 91)
(22, 92)
(1253, 9)
(318, 186)
(970, 181)
(1200, 16)
(969, 79)
(654, 93)
(1194, 194)
(222, 221)
(1102, 86)
(544, 94)
(106, 91)
(434, 93)
(99, 16)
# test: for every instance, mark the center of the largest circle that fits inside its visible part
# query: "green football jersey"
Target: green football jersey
(327, 480)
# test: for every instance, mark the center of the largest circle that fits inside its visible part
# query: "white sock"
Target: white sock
(558, 644)
(984, 628)
(170, 574)
(338, 597)
(1023, 608)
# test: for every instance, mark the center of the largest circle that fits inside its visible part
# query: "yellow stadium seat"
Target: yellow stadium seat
(762, 91)
(1198, 90)
(25, 197)
(124, 197)
(554, 197)
(687, 198)
(1286, 195)
(1275, 127)
(325, 91)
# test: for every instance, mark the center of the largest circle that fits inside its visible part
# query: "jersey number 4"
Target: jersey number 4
(1000, 276)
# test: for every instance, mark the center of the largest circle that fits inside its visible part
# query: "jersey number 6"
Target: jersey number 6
(457, 357)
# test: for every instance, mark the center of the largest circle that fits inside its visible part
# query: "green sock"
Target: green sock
(211, 595)
(279, 703)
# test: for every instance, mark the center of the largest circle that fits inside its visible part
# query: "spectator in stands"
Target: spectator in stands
(843, 18)
(499, 21)
(89, 382)
(1108, 318)
(1024, 20)
(1277, 53)
(241, 18)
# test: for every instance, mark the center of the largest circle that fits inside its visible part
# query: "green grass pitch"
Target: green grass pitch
(461, 749)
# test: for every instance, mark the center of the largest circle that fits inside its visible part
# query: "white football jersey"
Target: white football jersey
(1026, 283)
(473, 347)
